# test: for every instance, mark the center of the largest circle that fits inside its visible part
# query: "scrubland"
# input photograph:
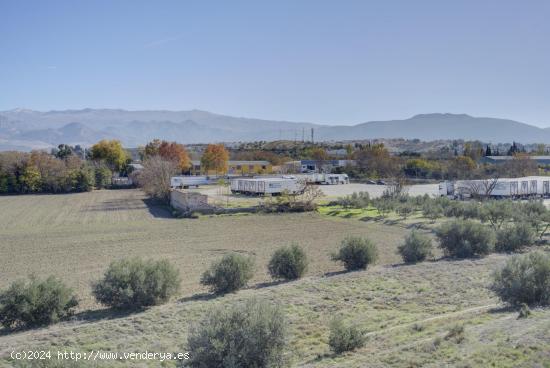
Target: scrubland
(410, 313)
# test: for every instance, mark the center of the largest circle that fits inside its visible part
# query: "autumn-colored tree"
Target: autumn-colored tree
(112, 152)
(53, 172)
(171, 151)
(30, 179)
(260, 155)
(473, 150)
(215, 157)
(175, 152)
(461, 167)
(420, 168)
(39, 171)
(376, 161)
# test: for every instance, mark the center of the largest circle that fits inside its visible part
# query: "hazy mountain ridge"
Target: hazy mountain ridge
(28, 129)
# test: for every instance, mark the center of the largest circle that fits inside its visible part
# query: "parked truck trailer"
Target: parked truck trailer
(266, 186)
(529, 186)
(188, 181)
(324, 179)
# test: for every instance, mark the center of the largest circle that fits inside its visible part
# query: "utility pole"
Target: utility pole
(312, 141)
(303, 134)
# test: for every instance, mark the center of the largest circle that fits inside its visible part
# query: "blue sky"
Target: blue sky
(338, 62)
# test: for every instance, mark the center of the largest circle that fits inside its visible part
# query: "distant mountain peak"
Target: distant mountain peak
(20, 110)
(74, 126)
(439, 115)
(133, 128)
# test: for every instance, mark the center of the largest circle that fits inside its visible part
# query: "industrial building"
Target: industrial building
(540, 160)
(242, 168)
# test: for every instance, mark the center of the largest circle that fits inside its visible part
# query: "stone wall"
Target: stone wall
(188, 201)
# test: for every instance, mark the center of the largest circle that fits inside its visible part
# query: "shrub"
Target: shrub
(463, 239)
(444, 202)
(253, 334)
(356, 253)
(417, 247)
(535, 214)
(432, 210)
(496, 212)
(383, 205)
(453, 208)
(355, 200)
(289, 263)
(230, 274)
(512, 238)
(345, 336)
(405, 209)
(524, 279)
(82, 180)
(36, 303)
(471, 210)
(135, 283)
(102, 176)
(531, 208)
(456, 333)
(419, 201)
(524, 311)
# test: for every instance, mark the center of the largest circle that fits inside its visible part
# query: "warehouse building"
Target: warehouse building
(243, 168)
(540, 160)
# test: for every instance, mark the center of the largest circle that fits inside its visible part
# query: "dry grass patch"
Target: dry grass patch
(385, 301)
(76, 236)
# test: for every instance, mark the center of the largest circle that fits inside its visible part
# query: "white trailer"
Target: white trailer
(188, 181)
(334, 179)
(529, 186)
(446, 188)
(326, 179)
(266, 186)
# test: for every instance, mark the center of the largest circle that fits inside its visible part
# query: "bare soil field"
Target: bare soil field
(76, 236)
(407, 311)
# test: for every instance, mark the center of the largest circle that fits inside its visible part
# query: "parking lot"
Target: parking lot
(222, 195)
(334, 191)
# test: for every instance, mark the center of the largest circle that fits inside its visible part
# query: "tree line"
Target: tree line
(63, 170)
(374, 159)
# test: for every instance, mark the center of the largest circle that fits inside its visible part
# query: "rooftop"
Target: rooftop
(504, 158)
(233, 162)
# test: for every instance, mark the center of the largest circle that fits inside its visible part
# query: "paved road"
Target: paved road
(218, 193)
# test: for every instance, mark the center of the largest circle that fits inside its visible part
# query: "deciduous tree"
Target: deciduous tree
(175, 152)
(154, 179)
(215, 157)
(377, 161)
(112, 152)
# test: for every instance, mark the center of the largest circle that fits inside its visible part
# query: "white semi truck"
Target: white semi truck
(188, 181)
(323, 179)
(529, 186)
(266, 186)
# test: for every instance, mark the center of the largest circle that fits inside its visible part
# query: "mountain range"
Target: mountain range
(22, 129)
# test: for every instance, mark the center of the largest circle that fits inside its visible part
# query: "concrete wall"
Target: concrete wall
(188, 201)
